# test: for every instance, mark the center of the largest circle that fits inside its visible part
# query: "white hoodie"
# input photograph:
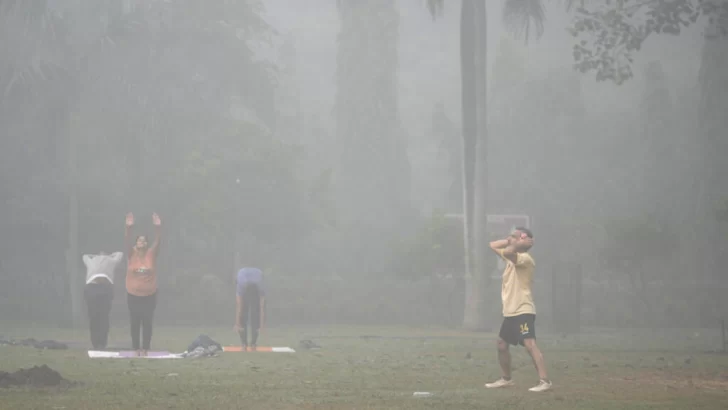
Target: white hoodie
(101, 266)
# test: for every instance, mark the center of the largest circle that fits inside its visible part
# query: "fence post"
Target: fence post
(557, 298)
(566, 287)
(576, 286)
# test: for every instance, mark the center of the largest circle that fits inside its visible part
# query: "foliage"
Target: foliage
(450, 145)
(610, 32)
(434, 250)
(722, 212)
(473, 57)
(31, 43)
(154, 107)
(373, 167)
(520, 16)
(249, 184)
(634, 241)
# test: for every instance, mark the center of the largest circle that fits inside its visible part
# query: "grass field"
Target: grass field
(595, 370)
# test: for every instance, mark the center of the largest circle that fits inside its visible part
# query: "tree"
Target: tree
(289, 119)
(450, 145)
(158, 118)
(632, 247)
(32, 85)
(374, 168)
(660, 158)
(31, 38)
(722, 212)
(610, 32)
(520, 16)
(712, 147)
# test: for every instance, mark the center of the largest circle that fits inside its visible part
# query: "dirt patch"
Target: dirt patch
(680, 380)
(37, 376)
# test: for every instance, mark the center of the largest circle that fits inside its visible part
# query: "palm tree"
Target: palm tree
(29, 45)
(521, 17)
(31, 62)
(41, 53)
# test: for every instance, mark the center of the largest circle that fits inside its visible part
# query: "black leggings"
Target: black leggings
(98, 301)
(141, 313)
(251, 306)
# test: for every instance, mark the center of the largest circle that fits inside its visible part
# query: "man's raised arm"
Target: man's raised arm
(499, 244)
(502, 248)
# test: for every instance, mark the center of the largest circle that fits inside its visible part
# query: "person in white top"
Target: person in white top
(99, 293)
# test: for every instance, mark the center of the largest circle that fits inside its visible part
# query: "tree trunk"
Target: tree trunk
(72, 251)
(713, 79)
(473, 52)
(469, 123)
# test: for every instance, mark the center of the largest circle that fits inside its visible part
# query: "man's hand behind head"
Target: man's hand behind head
(521, 240)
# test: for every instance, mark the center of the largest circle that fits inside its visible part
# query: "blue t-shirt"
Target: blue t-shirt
(250, 275)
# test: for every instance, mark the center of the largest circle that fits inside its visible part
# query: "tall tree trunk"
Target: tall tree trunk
(473, 53)
(374, 170)
(481, 250)
(713, 185)
(72, 251)
(469, 123)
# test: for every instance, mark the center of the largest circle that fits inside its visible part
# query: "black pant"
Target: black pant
(141, 313)
(251, 306)
(98, 302)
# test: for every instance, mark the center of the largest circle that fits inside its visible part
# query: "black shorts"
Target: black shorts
(516, 329)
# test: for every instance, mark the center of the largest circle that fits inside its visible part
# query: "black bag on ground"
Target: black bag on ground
(204, 342)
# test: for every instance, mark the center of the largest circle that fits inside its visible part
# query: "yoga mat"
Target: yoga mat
(129, 354)
(262, 349)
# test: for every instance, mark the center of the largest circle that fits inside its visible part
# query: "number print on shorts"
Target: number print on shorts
(524, 328)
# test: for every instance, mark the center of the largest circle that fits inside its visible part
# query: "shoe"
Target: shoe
(500, 383)
(542, 386)
(253, 348)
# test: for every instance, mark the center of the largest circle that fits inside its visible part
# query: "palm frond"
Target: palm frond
(522, 16)
(570, 4)
(436, 7)
(30, 44)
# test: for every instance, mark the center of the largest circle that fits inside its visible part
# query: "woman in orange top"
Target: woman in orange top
(141, 283)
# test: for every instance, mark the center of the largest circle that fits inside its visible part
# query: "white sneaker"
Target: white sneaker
(541, 387)
(499, 383)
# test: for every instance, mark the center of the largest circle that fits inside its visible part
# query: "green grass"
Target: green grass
(595, 370)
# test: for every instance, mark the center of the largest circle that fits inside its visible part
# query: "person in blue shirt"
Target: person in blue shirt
(250, 301)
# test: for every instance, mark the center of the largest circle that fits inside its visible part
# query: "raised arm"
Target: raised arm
(499, 244)
(157, 233)
(506, 251)
(128, 241)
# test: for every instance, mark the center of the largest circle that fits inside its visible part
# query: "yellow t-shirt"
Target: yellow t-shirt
(516, 288)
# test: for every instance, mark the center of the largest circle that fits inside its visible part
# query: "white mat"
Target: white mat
(283, 350)
(95, 354)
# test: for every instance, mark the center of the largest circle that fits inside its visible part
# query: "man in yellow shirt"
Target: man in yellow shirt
(519, 311)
